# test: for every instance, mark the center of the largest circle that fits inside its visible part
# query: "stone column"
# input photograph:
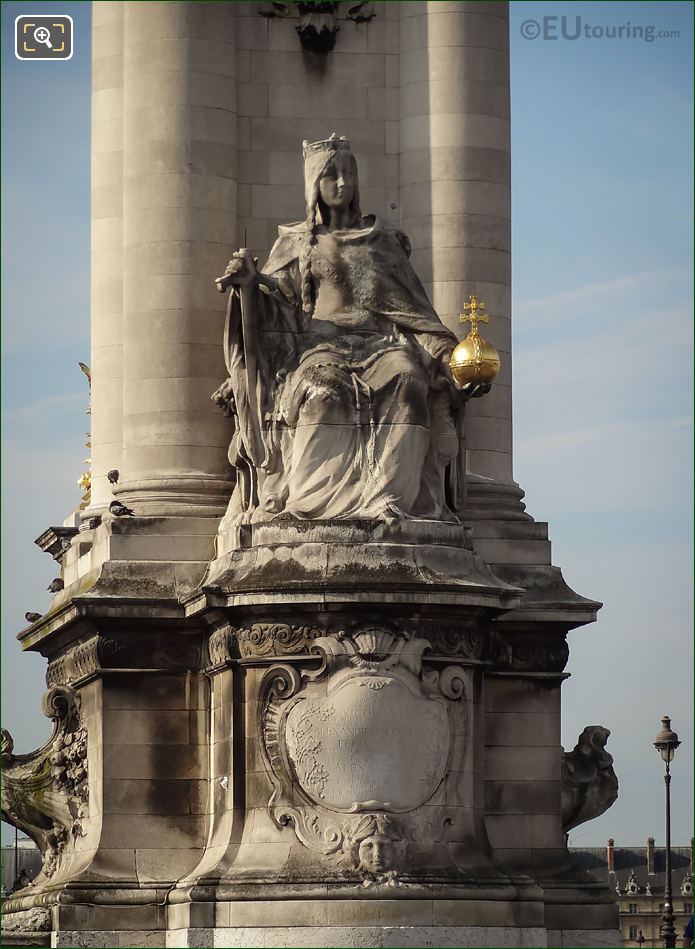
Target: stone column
(107, 247)
(455, 190)
(179, 223)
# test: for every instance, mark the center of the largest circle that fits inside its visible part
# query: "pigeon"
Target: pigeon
(32, 617)
(55, 585)
(113, 475)
(94, 522)
(120, 510)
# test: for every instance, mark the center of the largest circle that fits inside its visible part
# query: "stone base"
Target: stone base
(590, 938)
(30, 927)
(246, 937)
(369, 936)
(350, 561)
(109, 939)
(463, 920)
(383, 936)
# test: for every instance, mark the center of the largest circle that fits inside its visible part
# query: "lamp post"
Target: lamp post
(640, 939)
(666, 743)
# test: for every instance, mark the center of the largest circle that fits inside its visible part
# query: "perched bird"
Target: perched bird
(120, 510)
(32, 617)
(113, 475)
(55, 585)
(94, 522)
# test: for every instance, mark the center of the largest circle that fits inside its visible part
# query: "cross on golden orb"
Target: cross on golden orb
(476, 315)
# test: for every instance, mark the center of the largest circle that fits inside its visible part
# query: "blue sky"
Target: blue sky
(602, 250)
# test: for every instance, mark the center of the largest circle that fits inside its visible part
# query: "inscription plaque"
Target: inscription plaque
(369, 744)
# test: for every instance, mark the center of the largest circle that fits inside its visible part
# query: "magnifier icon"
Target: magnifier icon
(43, 35)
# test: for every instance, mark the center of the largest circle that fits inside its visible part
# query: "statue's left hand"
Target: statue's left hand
(224, 397)
(474, 390)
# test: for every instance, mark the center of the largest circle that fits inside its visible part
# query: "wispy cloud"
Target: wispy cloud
(548, 306)
(46, 406)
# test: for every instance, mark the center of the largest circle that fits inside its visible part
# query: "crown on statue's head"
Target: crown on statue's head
(330, 145)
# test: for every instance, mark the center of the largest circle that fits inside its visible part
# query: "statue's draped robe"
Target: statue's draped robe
(349, 415)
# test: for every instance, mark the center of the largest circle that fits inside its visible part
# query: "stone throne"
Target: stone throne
(309, 694)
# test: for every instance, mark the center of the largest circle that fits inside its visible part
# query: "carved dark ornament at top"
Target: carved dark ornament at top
(317, 28)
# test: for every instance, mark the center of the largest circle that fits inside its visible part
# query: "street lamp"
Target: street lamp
(666, 743)
(640, 939)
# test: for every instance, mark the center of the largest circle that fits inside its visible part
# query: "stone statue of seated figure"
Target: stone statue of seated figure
(339, 382)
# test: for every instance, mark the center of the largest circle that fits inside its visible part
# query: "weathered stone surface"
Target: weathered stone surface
(109, 939)
(370, 936)
(600, 938)
(358, 745)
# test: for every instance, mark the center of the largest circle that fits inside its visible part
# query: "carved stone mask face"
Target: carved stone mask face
(338, 181)
(376, 854)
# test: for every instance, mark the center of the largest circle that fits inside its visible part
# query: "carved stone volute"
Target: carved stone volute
(45, 793)
(589, 783)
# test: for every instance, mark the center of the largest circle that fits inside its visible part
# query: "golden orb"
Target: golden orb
(474, 360)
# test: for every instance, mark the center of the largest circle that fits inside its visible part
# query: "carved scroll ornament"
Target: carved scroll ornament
(589, 783)
(45, 794)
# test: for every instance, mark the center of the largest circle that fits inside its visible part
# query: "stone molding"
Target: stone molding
(107, 653)
(471, 641)
(530, 652)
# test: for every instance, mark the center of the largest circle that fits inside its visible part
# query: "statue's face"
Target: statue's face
(376, 853)
(337, 184)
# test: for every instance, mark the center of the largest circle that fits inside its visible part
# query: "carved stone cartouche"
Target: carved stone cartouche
(357, 748)
(45, 794)
(589, 783)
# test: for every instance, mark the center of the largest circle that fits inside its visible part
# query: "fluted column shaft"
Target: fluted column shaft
(179, 221)
(106, 360)
(455, 188)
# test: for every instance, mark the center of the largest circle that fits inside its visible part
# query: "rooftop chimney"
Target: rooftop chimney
(610, 855)
(650, 856)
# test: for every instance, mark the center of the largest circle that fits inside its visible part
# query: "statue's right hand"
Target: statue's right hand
(240, 272)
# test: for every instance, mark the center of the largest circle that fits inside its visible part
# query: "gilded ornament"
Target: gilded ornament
(474, 361)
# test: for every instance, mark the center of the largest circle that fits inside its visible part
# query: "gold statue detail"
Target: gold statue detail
(85, 480)
(474, 361)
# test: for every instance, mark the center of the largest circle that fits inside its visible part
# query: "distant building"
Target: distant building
(28, 858)
(637, 874)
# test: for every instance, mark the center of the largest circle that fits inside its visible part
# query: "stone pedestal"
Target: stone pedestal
(363, 754)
